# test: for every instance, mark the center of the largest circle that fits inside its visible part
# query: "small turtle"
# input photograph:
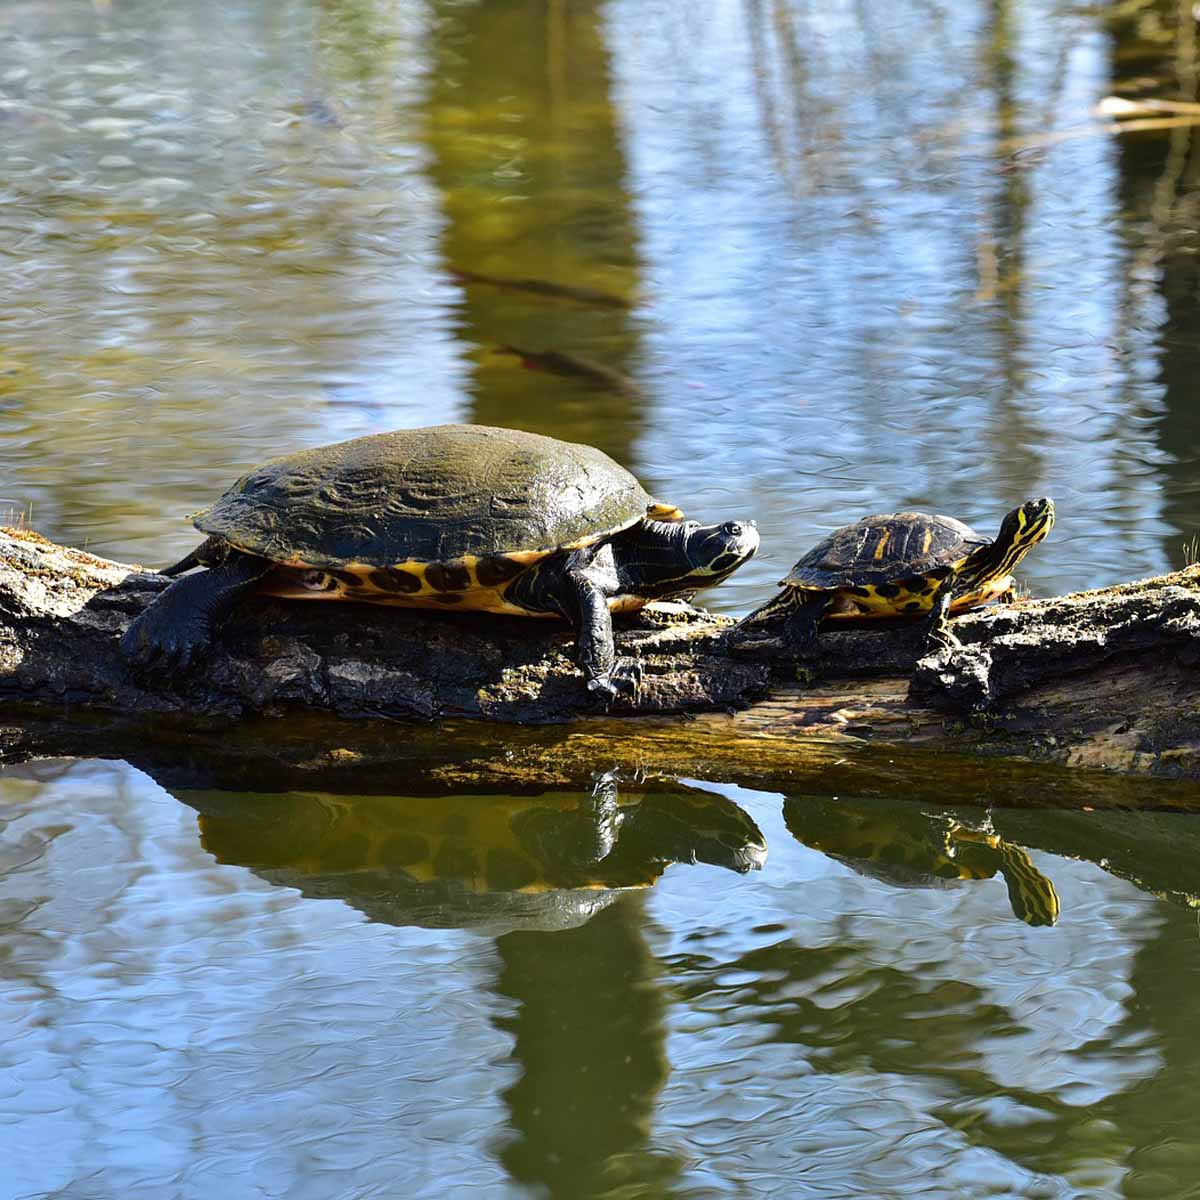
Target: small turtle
(903, 565)
(902, 846)
(451, 516)
(484, 862)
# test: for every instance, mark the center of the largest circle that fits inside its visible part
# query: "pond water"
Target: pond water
(805, 262)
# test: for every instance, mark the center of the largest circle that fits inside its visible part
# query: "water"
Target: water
(214, 990)
(857, 257)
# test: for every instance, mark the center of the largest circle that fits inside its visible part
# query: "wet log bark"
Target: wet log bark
(1103, 679)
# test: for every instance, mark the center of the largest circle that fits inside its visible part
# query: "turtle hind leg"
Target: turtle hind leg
(204, 555)
(803, 622)
(794, 614)
(778, 608)
(179, 626)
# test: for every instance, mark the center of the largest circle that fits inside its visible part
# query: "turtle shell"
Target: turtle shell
(428, 495)
(885, 548)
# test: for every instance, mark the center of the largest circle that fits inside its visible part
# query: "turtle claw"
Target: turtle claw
(623, 680)
(604, 686)
(799, 636)
(177, 630)
(155, 647)
(941, 641)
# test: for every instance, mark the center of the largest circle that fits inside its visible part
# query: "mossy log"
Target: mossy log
(1102, 679)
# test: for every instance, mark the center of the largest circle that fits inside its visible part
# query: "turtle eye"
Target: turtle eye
(733, 529)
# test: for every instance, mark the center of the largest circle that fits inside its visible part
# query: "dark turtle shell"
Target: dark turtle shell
(426, 495)
(883, 548)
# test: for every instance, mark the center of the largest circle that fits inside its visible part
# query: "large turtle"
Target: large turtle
(451, 516)
(906, 564)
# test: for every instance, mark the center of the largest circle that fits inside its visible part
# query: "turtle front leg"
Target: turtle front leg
(180, 624)
(600, 820)
(938, 633)
(578, 586)
(597, 651)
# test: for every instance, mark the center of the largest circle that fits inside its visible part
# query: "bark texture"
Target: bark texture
(1103, 679)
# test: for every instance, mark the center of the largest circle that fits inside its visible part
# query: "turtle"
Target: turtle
(905, 564)
(904, 847)
(486, 862)
(463, 517)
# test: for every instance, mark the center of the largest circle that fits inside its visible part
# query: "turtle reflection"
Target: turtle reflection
(905, 846)
(491, 863)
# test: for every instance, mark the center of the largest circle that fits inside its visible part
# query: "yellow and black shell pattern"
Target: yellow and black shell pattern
(448, 514)
(889, 564)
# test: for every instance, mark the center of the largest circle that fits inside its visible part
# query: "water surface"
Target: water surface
(278, 996)
(830, 260)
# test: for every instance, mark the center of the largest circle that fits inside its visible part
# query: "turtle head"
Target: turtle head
(714, 551)
(1027, 525)
(1019, 532)
(660, 559)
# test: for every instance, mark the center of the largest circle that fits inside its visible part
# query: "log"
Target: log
(1102, 679)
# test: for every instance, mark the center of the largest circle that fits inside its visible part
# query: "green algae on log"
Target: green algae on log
(1103, 679)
